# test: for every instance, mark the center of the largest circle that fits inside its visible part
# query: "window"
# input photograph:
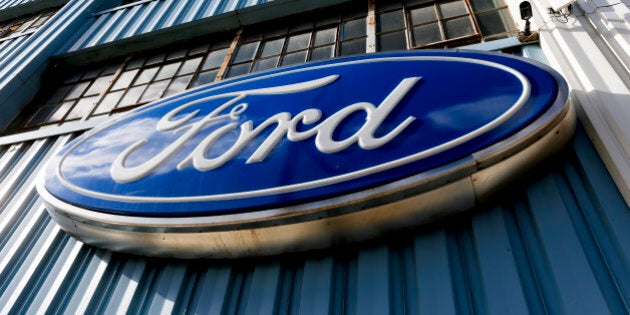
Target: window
(444, 23)
(124, 84)
(316, 36)
(120, 85)
(25, 24)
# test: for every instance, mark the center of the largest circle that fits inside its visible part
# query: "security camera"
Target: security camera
(558, 5)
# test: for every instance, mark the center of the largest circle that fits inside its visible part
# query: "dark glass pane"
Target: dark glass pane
(494, 22)
(238, 69)
(198, 49)
(132, 96)
(99, 85)
(392, 41)
(453, 8)
(178, 85)
(61, 112)
(167, 71)
(135, 63)
(77, 90)
(322, 53)
(59, 94)
(423, 15)
(324, 37)
(154, 91)
(153, 59)
(109, 102)
(353, 47)
(390, 21)
(204, 78)
(264, 64)
(181, 53)
(245, 52)
(480, 5)
(458, 27)
(294, 58)
(388, 5)
(353, 29)
(42, 114)
(189, 66)
(124, 80)
(272, 47)
(426, 34)
(214, 59)
(298, 42)
(146, 75)
(301, 26)
(82, 108)
(91, 74)
(74, 78)
(111, 68)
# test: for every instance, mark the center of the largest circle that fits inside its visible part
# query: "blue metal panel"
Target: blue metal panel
(557, 243)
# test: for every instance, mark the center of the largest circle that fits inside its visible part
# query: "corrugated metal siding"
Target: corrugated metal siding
(10, 46)
(5, 4)
(559, 243)
(148, 16)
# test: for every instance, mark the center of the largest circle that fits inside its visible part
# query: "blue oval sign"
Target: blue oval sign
(301, 134)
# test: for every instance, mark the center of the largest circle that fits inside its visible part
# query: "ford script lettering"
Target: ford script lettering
(308, 156)
(285, 127)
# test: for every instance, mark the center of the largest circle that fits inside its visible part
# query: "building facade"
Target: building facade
(554, 241)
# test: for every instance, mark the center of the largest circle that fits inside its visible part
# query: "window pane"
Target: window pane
(239, 69)
(156, 59)
(61, 111)
(298, 42)
(392, 41)
(135, 63)
(146, 75)
(177, 54)
(214, 59)
(426, 34)
(132, 96)
(494, 22)
(109, 102)
(91, 74)
(386, 5)
(245, 52)
(479, 5)
(458, 27)
(178, 85)
(198, 50)
(167, 71)
(454, 8)
(294, 58)
(353, 29)
(59, 94)
(99, 85)
(264, 64)
(273, 47)
(189, 66)
(154, 91)
(353, 47)
(321, 53)
(77, 90)
(204, 78)
(390, 21)
(423, 15)
(124, 80)
(42, 114)
(325, 36)
(82, 108)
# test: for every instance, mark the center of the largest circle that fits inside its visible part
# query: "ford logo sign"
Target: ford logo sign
(307, 156)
